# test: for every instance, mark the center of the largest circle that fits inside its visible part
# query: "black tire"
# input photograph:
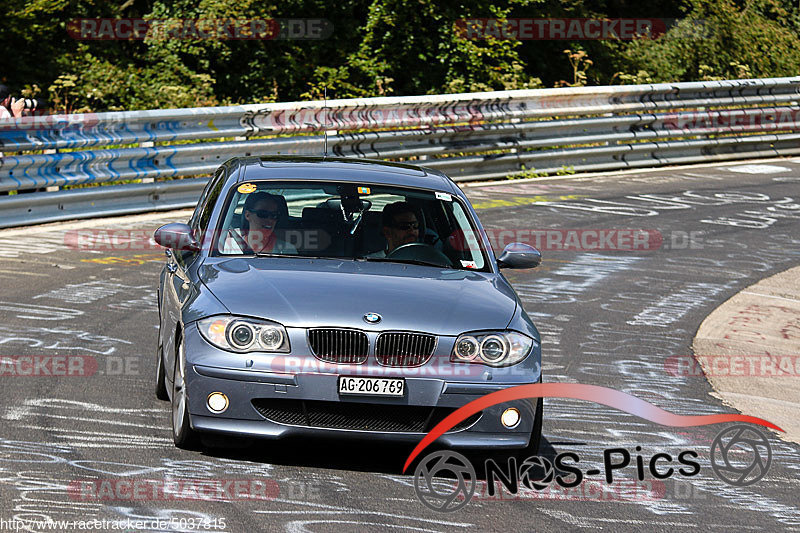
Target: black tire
(535, 441)
(182, 433)
(536, 434)
(161, 377)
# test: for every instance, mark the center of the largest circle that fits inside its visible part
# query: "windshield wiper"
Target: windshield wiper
(269, 254)
(408, 261)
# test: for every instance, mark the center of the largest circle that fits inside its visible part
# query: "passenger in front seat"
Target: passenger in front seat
(261, 217)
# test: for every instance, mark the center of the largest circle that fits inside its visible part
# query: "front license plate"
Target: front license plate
(371, 386)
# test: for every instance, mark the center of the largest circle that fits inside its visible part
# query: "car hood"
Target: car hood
(324, 292)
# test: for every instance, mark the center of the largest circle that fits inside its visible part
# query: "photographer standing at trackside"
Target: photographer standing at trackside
(10, 107)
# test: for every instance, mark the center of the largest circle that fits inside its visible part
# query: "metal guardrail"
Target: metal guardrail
(468, 136)
(92, 202)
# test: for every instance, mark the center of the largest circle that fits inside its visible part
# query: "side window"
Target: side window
(202, 214)
(201, 202)
(206, 206)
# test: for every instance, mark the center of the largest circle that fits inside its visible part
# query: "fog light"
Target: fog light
(510, 418)
(218, 402)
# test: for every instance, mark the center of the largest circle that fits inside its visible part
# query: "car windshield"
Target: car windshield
(359, 222)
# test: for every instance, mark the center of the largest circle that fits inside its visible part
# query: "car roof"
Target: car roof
(343, 169)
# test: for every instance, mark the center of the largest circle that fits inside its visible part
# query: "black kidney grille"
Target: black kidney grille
(346, 346)
(357, 416)
(404, 349)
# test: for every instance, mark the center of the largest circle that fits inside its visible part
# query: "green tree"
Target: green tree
(377, 47)
(415, 47)
(721, 39)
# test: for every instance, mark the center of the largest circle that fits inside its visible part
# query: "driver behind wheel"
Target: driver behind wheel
(400, 226)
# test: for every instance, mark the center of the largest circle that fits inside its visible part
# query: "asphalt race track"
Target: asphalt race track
(608, 317)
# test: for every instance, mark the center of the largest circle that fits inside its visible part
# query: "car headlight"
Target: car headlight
(244, 334)
(496, 348)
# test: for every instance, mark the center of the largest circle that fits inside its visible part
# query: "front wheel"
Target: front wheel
(182, 433)
(536, 434)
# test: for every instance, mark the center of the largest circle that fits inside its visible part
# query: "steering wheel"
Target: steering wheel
(420, 251)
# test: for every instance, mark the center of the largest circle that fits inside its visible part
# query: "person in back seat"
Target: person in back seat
(260, 218)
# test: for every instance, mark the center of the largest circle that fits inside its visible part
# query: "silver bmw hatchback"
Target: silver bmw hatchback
(342, 298)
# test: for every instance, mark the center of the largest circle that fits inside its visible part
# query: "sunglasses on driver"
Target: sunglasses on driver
(265, 213)
(406, 226)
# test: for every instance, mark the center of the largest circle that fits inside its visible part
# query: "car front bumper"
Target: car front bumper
(245, 378)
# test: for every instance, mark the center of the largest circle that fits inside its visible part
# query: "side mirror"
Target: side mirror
(177, 236)
(519, 255)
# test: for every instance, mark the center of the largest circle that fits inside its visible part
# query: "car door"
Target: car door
(175, 279)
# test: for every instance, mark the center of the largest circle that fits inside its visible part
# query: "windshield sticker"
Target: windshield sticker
(246, 188)
(468, 264)
(444, 196)
(363, 190)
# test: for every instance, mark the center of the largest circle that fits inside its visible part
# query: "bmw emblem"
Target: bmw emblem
(372, 318)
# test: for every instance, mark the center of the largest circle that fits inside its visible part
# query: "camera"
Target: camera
(32, 103)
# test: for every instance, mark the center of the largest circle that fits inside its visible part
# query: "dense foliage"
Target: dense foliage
(378, 47)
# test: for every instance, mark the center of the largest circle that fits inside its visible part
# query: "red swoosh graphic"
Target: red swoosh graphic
(592, 393)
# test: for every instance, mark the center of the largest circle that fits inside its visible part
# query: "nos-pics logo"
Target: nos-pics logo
(740, 455)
